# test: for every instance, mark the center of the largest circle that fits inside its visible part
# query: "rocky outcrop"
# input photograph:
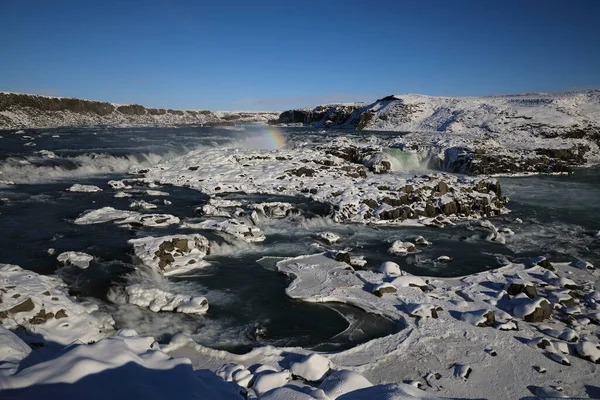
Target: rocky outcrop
(32, 111)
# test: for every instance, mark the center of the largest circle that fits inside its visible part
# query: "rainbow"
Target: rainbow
(276, 137)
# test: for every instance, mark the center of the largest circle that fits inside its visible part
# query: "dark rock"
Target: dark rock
(515, 288)
(343, 257)
(41, 317)
(303, 171)
(540, 313)
(380, 291)
(371, 203)
(24, 306)
(61, 314)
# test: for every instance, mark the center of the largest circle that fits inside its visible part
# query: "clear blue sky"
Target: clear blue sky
(249, 54)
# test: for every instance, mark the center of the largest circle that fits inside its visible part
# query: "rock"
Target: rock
(343, 257)
(540, 369)
(329, 237)
(401, 248)
(423, 310)
(380, 290)
(41, 317)
(444, 259)
(421, 241)
(390, 268)
(24, 306)
(517, 286)
(542, 262)
(61, 314)
(311, 368)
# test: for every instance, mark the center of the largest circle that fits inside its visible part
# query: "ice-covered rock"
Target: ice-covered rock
(171, 254)
(236, 228)
(390, 268)
(410, 280)
(84, 188)
(480, 318)
(158, 300)
(311, 368)
(588, 350)
(329, 237)
(421, 241)
(423, 310)
(532, 310)
(143, 205)
(383, 288)
(75, 258)
(125, 218)
(401, 248)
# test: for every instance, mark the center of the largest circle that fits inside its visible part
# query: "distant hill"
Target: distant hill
(523, 133)
(534, 113)
(33, 111)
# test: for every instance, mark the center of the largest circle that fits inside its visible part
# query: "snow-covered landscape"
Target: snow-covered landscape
(414, 247)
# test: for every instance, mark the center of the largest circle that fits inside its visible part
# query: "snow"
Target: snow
(132, 367)
(47, 310)
(390, 268)
(312, 368)
(342, 382)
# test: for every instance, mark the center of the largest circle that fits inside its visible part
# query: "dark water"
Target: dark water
(36, 213)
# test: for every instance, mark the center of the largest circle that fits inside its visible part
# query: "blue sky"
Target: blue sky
(272, 55)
